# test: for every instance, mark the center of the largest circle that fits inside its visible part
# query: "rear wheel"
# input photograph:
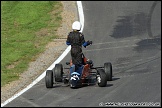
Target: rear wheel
(58, 72)
(108, 70)
(101, 78)
(49, 79)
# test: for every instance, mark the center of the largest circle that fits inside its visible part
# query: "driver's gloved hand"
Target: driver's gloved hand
(89, 42)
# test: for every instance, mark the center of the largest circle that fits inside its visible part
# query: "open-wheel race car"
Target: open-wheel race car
(77, 77)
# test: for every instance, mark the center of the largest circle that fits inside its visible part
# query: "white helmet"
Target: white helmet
(76, 25)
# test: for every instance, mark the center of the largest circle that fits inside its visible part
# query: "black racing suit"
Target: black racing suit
(76, 40)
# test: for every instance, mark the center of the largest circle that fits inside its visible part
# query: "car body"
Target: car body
(84, 74)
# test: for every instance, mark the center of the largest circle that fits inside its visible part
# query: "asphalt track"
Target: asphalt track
(125, 33)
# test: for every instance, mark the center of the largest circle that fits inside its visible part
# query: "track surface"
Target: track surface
(125, 33)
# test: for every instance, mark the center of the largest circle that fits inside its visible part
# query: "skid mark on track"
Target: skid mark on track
(132, 75)
(118, 47)
(131, 69)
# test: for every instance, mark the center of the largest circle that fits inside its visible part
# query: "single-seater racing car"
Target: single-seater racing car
(78, 76)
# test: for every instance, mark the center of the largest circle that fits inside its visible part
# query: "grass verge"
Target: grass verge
(26, 27)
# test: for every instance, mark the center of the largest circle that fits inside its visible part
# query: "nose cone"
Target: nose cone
(74, 80)
(73, 83)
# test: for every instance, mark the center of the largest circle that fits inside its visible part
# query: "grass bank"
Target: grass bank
(26, 27)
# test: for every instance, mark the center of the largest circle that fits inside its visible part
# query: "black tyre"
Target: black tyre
(49, 79)
(108, 70)
(101, 78)
(58, 72)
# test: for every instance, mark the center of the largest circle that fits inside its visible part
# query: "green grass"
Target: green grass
(25, 29)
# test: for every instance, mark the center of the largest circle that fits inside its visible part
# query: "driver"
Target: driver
(76, 40)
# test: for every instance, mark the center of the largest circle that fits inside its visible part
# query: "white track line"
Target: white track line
(81, 18)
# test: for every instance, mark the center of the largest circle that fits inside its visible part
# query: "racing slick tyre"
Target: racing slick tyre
(101, 78)
(108, 70)
(49, 79)
(58, 72)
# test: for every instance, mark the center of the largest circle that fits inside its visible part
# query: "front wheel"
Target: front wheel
(108, 70)
(49, 79)
(101, 78)
(58, 72)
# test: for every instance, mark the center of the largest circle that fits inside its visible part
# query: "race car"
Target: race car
(79, 76)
